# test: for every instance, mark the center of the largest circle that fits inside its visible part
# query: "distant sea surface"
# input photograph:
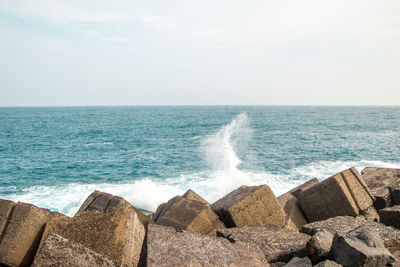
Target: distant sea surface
(54, 157)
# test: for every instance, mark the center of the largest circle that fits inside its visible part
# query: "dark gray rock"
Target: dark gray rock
(344, 224)
(278, 244)
(391, 216)
(379, 180)
(319, 246)
(59, 251)
(299, 262)
(394, 189)
(166, 247)
(360, 247)
(328, 263)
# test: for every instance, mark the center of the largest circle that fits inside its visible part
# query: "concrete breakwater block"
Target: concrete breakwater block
(59, 251)
(360, 247)
(277, 244)
(166, 247)
(21, 230)
(345, 193)
(295, 217)
(186, 214)
(344, 224)
(250, 205)
(117, 234)
(379, 181)
(105, 202)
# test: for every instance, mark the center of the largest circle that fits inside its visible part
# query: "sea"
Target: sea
(54, 157)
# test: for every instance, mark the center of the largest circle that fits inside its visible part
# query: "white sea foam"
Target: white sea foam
(222, 176)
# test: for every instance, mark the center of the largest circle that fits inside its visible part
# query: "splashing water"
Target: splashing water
(221, 156)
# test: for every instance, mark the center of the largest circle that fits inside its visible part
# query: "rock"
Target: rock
(22, 230)
(58, 251)
(328, 263)
(190, 194)
(117, 234)
(159, 210)
(319, 246)
(277, 244)
(253, 205)
(186, 214)
(166, 247)
(294, 218)
(360, 247)
(106, 202)
(394, 189)
(379, 181)
(342, 194)
(391, 216)
(299, 262)
(344, 224)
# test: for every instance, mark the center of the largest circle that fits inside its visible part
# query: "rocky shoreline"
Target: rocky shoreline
(349, 219)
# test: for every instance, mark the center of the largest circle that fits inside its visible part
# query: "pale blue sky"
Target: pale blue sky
(283, 52)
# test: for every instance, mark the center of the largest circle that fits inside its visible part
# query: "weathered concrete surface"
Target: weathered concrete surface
(328, 263)
(379, 181)
(294, 217)
(344, 224)
(304, 186)
(166, 247)
(391, 216)
(299, 262)
(117, 234)
(22, 232)
(186, 214)
(190, 194)
(253, 205)
(360, 247)
(105, 202)
(58, 251)
(342, 194)
(6, 209)
(319, 246)
(277, 244)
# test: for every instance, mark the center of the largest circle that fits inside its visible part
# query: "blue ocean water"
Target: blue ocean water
(55, 157)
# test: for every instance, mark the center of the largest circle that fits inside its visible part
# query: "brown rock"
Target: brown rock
(342, 194)
(105, 202)
(117, 234)
(22, 232)
(186, 214)
(277, 244)
(295, 218)
(160, 209)
(344, 224)
(328, 263)
(378, 181)
(58, 251)
(391, 216)
(394, 189)
(254, 205)
(166, 247)
(319, 246)
(190, 194)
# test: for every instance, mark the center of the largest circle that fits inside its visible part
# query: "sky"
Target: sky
(183, 52)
